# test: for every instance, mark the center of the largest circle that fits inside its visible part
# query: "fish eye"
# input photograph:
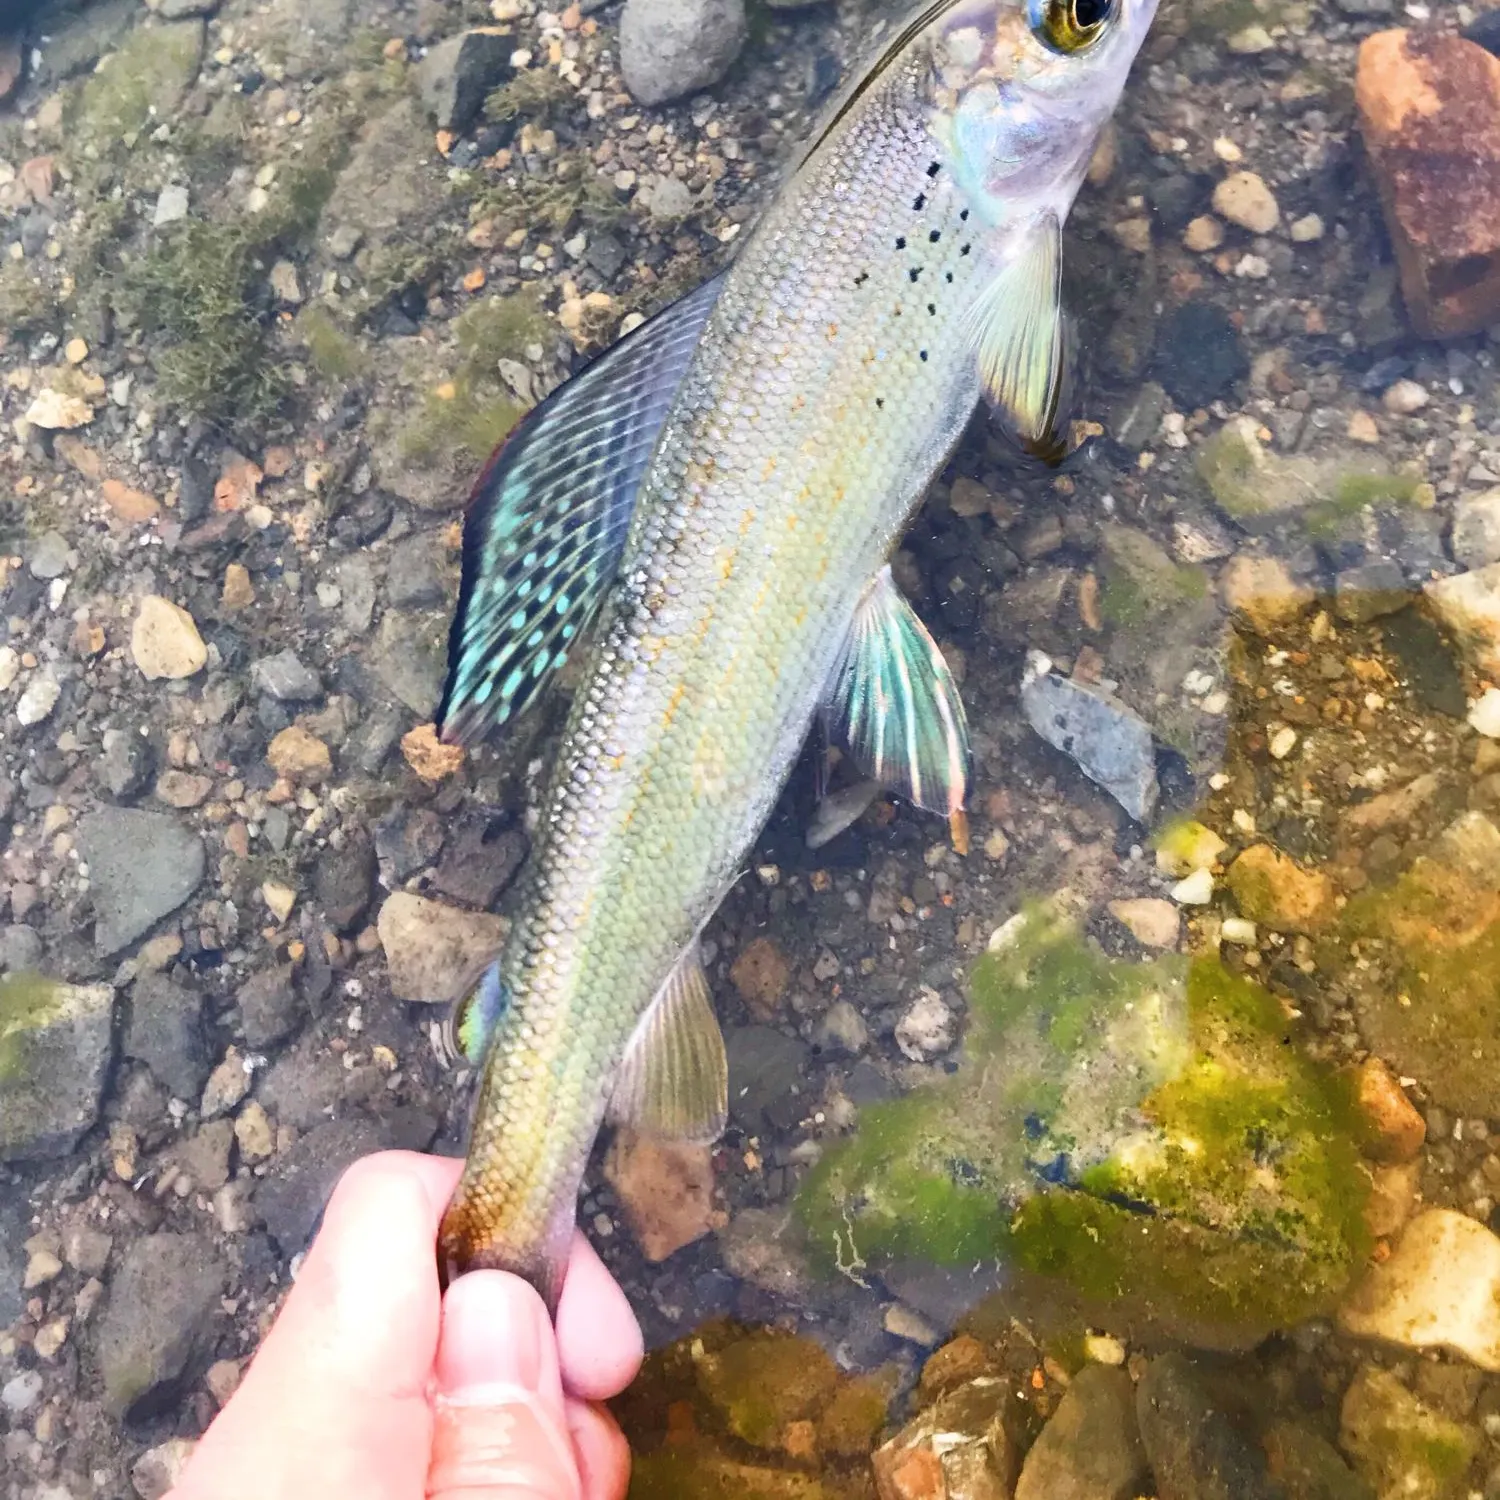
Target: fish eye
(1069, 26)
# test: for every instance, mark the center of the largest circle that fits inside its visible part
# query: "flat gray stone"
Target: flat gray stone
(1091, 1448)
(159, 1324)
(56, 1047)
(142, 866)
(671, 48)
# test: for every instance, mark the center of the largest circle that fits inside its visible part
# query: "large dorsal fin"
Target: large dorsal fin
(549, 516)
(674, 1077)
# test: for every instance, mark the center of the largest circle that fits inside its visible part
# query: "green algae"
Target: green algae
(29, 1003)
(1144, 1130)
(143, 81)
(534, 93)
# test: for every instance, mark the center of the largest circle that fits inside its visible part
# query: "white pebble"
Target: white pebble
(1196, 890)
(1405, 397)
(1308, 228)
(1283, 742)
(1484, 713)
(1238, 930)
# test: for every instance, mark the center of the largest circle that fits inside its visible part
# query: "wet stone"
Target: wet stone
(166, 1033)
(1090, 1448)
(56, 1047)
(1195, 1452)
(204, 1157)
(432, 949)
(159, 1323)
(455, 76)
(142, 866)
(1109, 743)
(1200, 354)
(127, 764)
(480, 859)
(290, 1200)
(1402, 1446)
(766, 1072)
(419, 571)
(286, 678)
(270, 1007)
(406, 840)
(20, 948)
(669, 48)
(344, 882)
(666, 1189)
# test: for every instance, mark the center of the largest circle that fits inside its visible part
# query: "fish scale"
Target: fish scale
(835, 372)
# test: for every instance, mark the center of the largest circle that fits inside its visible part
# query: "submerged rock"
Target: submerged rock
(158, 1326)
(1440, 1289)
(764, 1382)
(1405, 1449)
(455, 76)
(1151, 1137)
(1196, 1453)
(56, 1046)
(1423, 987)
(960, 1448)
(1429, 111)
(669, 48)
(666, 1189)
(1090, 1449)
(1108, 741)
(432, 950)
(142, 866)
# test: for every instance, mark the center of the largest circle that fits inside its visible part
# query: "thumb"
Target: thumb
(500, 1430)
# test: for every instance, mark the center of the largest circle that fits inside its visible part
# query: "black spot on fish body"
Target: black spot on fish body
(921, 202)
(934, 237)
(915, 272)
(863, 277)
(901, 242)
(933, 168)
(880, 403)
(964, 249)
(950, 278)
(932, 309)
(963, 215)
(923, 356)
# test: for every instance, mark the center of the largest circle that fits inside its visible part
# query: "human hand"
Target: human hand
(374, 1386)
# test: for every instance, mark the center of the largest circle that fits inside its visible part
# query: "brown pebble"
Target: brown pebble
(1391, 1128)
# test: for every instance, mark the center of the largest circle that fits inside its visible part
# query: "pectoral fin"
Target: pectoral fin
(1020, 341)
(898, 705)
(468, 1027)
(549, 516)
(674, 1077)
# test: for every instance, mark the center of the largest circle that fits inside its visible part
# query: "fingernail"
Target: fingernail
(492, 1334)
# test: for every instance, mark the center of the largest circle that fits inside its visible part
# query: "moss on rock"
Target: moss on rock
(1140, 1130)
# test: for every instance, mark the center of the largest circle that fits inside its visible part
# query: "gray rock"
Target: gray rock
(343, 883)
(159, 1325)
(767, 1070)
(128, 764)
(49, 556)
(14, 1231)
(1366, 592)
(1110, 743)
(1136, 420)
(80, 39)
(420, 571)
(1194, 1451)
(356, 584)
(841, 1030)
(1476, 530)
(411, 658)
(290, 1201)
(56, 1047)
(171, 205)
(204, 1156)
(385, 189)
(180, 10)
(1091, 1448)
(142, 866)
(166, 1033)
(669, 48)
(300, 1089)
(479, 864)
(286, 678)
(21, 1393)
(20, 948)
(270, 1007)
(455, 76)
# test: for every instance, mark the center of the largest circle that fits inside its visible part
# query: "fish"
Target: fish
(705, 516)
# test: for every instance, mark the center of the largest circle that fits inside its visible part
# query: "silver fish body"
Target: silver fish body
(834, 370)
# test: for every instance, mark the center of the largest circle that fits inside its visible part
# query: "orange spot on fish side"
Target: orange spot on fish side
(833, 331)
(769, 467)
(747, 521)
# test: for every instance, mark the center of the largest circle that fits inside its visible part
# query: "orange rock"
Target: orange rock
(1391, 1129)
(761, 974)
(1429, 108)
(133, 506)
(278, 462)
(957, 1363)
(428, 756)
(666, 1189)
(297, 756)
(238, 483)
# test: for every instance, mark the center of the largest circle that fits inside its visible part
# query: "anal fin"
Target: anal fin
(674, 1077)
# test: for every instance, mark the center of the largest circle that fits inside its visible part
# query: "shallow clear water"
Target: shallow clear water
(1157, 1099)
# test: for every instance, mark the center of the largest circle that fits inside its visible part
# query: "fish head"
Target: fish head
(1022, 89)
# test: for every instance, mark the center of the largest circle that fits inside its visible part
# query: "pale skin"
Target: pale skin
(375, 1385)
